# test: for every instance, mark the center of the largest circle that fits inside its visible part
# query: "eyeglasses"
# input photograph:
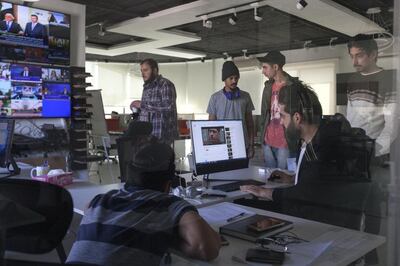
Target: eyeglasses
(279, 243)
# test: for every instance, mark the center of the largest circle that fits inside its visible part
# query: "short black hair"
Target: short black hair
(302, 99)
(273, 57)
(33, 15)
(152, 166)
(151, 62)
(364, 42)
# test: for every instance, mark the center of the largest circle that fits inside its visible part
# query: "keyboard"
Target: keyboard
(236, 185)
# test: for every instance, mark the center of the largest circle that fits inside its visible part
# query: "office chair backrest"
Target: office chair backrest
(51, 201)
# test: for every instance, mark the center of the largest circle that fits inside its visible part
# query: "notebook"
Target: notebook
(255, 227)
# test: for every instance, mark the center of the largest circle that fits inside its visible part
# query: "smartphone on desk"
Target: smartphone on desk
(265, 224)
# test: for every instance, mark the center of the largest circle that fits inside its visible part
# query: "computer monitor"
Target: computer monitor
(218, 146)
(6, 134)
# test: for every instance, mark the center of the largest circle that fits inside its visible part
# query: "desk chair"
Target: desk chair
(100, 152)
(52, 202)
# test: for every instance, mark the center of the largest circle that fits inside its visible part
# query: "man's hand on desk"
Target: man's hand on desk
(258, 191)
(281, 177)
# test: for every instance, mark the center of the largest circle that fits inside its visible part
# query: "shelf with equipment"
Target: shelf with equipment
(79, 119)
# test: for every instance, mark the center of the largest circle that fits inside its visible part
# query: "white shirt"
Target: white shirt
(303, 150)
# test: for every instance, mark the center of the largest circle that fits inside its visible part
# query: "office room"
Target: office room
(199, 132)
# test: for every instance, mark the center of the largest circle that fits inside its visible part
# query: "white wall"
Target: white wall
(196, 81)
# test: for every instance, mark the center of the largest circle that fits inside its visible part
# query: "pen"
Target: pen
(235, 217)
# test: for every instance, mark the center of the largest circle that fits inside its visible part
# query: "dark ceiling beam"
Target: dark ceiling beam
(112, 7)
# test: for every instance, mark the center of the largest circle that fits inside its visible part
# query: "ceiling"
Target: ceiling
(277, 31)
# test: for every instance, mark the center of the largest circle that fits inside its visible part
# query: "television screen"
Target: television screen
(32, 34)
(22, 72)
(56, 100)
(55, 74)
(34, 91)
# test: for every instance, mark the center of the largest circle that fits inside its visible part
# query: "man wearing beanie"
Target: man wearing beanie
(138, 223)
(275, 145)
(233, 103)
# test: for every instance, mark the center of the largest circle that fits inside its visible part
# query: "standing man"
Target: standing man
(275, 145)
(158, 104)
(9, 25)
(233, 103)
(34, 29)
(371, 98)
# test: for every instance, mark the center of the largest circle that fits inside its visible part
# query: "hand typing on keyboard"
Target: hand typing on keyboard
(281, 177)
(258, 191)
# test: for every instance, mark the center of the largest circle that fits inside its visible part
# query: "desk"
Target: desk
(83, 192)
(347, 245)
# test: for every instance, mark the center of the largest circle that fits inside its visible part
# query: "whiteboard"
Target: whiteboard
(98, 121)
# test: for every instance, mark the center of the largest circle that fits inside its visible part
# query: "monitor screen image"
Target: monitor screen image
(56, 100)
(28, 73)
(26, 100)
(55, 74)
(43, 35)
(5, 90)
(218, 146)
(34, 91)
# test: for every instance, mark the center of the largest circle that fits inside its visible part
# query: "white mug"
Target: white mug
(40, 170)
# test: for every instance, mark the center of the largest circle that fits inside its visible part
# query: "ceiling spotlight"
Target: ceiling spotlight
(245, 53)
(331, 42)
(307, 44)
(257, 16)
(206, 22)
(301, 4)
(101, 31)
(226, 55)
(233, 18)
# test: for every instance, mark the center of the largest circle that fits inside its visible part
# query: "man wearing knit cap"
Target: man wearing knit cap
(138, 223)
(233, 103)
(275, 145)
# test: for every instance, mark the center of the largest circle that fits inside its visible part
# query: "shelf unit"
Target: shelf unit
(79, 119)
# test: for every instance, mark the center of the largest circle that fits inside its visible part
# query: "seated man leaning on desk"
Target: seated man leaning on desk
(319, 191)
(301, 115)
(138, 223)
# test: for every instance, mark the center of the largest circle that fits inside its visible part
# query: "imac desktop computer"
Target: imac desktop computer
(218, 145)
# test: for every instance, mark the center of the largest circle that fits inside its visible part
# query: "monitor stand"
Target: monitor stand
(15, 169)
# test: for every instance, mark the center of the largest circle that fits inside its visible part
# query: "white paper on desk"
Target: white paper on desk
(305, 253)
(219, 213)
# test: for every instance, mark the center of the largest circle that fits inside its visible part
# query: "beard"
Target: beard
(293, 135)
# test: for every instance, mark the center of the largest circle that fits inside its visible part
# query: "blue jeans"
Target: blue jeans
(275, 157)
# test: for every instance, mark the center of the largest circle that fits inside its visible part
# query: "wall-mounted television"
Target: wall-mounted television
(34, 35)
(28, 91)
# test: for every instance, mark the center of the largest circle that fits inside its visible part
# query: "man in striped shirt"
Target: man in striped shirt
(158, 104)
(371, 95)
(138, 223)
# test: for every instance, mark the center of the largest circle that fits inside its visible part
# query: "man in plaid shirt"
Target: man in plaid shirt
(158, 104)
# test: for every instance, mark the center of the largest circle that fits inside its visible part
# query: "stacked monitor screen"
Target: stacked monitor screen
(218, 146)
(28, 91)
(34, 35)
